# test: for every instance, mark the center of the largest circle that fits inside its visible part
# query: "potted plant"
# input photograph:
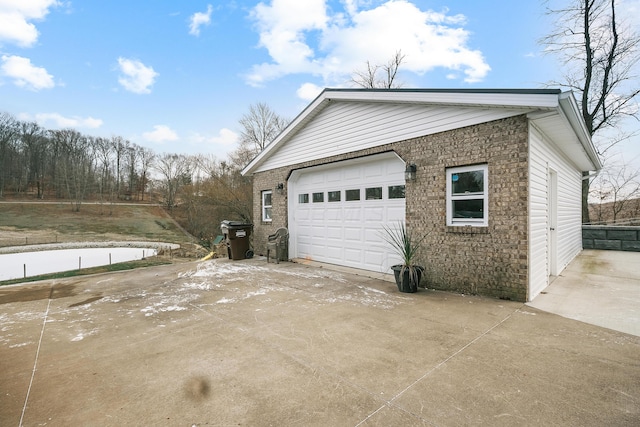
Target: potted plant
(406, 246)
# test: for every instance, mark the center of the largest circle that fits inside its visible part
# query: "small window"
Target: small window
(318, 197)
(303, 198)
(396, 192)
(266, 205)
(333, 196)
(467, 195)
(351, 195)
(374, 193)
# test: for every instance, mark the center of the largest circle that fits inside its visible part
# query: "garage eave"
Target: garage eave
(527, 100)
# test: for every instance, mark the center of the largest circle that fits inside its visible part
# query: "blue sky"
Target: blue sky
(176, 76)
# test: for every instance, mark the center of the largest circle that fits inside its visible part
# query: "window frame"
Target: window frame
(350, 194)
(266, 217)
(484, 196)
(315, 199)
(392, 196)
(376, 193)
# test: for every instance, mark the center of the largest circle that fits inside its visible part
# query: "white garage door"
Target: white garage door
(337, 211)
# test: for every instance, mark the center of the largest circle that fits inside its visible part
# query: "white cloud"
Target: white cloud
(136, 77)
(160, 134)
(308, 91)
(199, 19)
(60, 121)
(25, 74)
(301, 37)
(225, 137)
(15, 16)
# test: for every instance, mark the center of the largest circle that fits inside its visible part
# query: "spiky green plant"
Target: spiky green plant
(406, 246)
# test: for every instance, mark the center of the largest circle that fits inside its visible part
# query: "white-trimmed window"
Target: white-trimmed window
(468, 196)
(266, 205)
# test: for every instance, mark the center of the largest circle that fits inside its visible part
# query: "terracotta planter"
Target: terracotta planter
(404, 280)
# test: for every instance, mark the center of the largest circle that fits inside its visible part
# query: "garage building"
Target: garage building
(357, 160)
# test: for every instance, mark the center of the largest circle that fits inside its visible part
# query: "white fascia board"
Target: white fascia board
(504, 99)
(310, 111)
(569, 108)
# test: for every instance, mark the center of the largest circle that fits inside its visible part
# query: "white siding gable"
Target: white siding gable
(346, 126)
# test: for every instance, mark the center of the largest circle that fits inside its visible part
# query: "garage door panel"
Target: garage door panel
(334, 176)
(352, 234)
(304, 249)
(346, 232)
(395, 213)
(373, 236)
(353, 255)
(374, 258)
(302, 214)
(334, 252)
(352, 214)
(333, 214)
(374, 214)
(374, 171)
(318, 234)
(335, 233)
(352, 174)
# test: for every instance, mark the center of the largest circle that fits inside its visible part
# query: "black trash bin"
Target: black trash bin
(237, 234)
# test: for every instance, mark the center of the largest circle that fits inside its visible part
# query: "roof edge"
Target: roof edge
(510, 98)
(569, 107)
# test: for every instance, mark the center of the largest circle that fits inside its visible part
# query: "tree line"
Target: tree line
(65, 164)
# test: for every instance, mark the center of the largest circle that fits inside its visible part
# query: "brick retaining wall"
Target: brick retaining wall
(611, 237)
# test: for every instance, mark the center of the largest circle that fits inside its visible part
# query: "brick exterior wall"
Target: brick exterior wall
(489, 260)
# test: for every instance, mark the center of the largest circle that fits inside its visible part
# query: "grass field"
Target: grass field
(37, 223)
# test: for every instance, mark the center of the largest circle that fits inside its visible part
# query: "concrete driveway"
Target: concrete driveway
(248, 343)
(598, 287)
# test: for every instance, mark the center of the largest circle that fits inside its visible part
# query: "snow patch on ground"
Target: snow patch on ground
(21, 344)
(262, 291)
(360, 295)
(320, 274)
(221, 270)
(84, 334)
(201, 286)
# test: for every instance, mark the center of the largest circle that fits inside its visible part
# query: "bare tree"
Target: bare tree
(260, 126)
(35, 146)
(104, 155)
(147, 157)
(8, 134)
(120, 146)
(617, 187)
(77, 164)
(131, 162)
(600, 55)
(175, 171)
(370, 78)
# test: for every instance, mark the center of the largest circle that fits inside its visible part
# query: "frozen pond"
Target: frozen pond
(12, 266)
